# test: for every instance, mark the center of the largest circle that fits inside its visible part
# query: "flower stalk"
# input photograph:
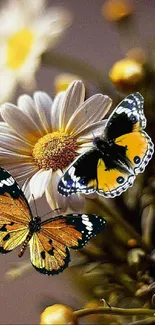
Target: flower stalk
(148, 321)
(115, 311)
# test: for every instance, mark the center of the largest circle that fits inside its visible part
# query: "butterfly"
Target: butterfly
(115, 159)
(49, 240)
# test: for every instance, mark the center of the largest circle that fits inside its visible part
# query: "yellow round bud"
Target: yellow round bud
(115, 10)
(127, 75)
(99, 318)
(63, 80)
(58, 315)
(94, 303)
(132, 242)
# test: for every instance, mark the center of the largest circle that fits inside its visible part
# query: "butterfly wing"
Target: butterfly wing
(81, 176)
(112, 178)
(127, 117)
(139, 149)
(126, 126)
(46, 256)
(93, 172)
(111, 171)
(14, 213)
(49, 248)
(133, 146)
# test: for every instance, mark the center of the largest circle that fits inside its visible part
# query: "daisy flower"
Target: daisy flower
(40, 138)
(24, 36)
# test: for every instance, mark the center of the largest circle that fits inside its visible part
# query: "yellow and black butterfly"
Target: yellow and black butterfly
(49, 240)
(115, 159)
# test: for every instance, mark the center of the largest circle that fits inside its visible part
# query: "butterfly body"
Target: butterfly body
(34, 226)
(50, 240)
(114, 160)
(112, 153)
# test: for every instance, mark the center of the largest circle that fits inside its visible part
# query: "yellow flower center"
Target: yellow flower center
(18, 47)
(55, 150)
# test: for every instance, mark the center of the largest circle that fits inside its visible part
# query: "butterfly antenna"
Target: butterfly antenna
(51, 211)
(35, 206)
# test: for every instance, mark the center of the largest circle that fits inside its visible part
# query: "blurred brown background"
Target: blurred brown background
(96, 41)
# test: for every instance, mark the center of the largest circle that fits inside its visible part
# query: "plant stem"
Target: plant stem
(115, 311)
(148, 321)
(76, 66)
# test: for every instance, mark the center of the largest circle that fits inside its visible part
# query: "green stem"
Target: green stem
(112, 214)
(115, 311)
(76, 66)
(148, 321)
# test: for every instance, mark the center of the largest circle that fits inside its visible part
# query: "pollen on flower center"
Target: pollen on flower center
(55, 150)
(18, 47)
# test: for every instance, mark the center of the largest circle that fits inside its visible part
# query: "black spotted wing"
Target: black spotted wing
(127, 117)
(49, 240)
(15, 213)
(81, 176)
(124, 151)
(49, 248)
(126, 127)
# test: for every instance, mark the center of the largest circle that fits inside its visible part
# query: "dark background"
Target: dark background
(94, 40)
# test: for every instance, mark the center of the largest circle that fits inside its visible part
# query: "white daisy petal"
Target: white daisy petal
(5, 129)
(27, 105)
(43, 104)
(39, 182)
(74, 97)
(82, 149)
(53, 25)
(57, 109)
(29, 32)
(34, 8)
(13, 143)
(31, 121)
(26, 189)
(54, 199)
(8, 84)
(91, 111)
(21, 172)
(4, 153)
(20, 123)
(93, 131)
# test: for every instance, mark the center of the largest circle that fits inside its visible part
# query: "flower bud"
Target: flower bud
(58, 315)
(126, 75)
(96, 318)
(143, 291)
(115, 10)
(63, 80)
(132, 242)
(135, 255)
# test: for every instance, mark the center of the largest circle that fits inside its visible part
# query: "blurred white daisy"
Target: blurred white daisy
(27, 30)
(40, 138)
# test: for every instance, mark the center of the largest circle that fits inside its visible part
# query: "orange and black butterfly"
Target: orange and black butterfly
(115, 159)
(49, 240)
